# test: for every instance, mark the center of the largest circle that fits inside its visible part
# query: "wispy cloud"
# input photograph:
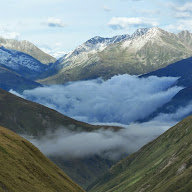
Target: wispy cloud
(107, 9)
(55, 22)
(10, 35)
(121, 99)
(129, 22)
(182, 11)
(111, 145)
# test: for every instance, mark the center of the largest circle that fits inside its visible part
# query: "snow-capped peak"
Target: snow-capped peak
(97, 43)
(139, 32)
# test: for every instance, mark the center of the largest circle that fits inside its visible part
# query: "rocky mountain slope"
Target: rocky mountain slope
(25, 168)
(34, 120)
(21, 63)
(164, 164)
(145, 51)
(28, 48)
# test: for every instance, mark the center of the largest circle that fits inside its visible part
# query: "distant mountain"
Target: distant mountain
(12, 80)
(24, 168)
(28, 48)
(32, 119)
(144, 51)
(21, 63)
(183, 70)
(163, 165)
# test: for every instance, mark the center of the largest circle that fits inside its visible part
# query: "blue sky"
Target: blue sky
(61, 25)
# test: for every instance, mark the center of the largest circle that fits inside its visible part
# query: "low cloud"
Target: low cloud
(129, 22)
(55, 22)
(180, 25)
(105, 143)
(121, 99)
(182, 11)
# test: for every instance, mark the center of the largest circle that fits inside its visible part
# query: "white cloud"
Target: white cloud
(184, 11)
(186, 7)
(121, 99)
(111, 145)
(10, 35)
(106, 143)
(107, 9)
(56, 54)
(180, 25)
(128, 22)
(55, 22)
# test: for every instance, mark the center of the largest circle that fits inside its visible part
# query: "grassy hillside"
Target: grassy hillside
(29, 118)
(24, 168)
(163, 165)
(26, 117)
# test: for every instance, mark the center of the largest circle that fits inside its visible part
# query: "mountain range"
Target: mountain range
(162, 165)
(144, 51)
(21, 63)
(183, 70)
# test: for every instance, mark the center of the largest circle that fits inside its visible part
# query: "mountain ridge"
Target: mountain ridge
(28, 48)
(145, 51)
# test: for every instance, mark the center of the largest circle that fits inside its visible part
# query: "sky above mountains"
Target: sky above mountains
(61, 25)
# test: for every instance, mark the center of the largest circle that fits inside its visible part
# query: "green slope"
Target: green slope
(26, 117)
(29, 118)
(163, 165)
(24, 168)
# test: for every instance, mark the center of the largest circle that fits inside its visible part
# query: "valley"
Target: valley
(102, 113)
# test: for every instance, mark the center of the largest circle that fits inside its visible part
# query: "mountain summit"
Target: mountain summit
(144, 51)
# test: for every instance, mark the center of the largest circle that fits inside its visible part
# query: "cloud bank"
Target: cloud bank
(105, 143)
(121, 99)
(128, 22)
(55, 22)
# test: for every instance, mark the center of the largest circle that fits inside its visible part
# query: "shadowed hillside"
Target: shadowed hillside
(32, 119)
(24, 168)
